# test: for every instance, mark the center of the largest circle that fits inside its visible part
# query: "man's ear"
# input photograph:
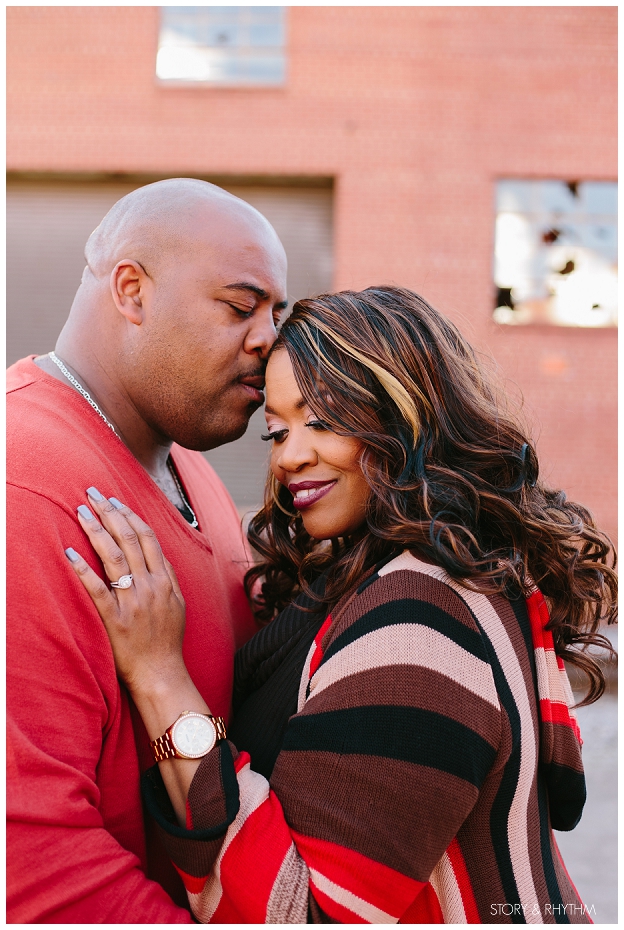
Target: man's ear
(128, 284)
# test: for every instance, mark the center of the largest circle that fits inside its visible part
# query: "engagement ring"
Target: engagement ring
(124, 582)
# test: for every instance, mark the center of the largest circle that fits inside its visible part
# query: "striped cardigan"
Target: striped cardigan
(432, 753)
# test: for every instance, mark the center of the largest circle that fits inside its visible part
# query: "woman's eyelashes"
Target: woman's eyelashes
(318, 425)
(277, 434)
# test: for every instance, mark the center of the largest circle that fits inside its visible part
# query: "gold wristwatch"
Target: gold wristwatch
(191, 736)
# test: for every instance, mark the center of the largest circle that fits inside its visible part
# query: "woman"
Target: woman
(410, 706)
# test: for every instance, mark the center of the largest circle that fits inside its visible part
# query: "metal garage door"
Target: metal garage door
(48, 223)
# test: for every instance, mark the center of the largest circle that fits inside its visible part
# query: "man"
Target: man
(163, 352)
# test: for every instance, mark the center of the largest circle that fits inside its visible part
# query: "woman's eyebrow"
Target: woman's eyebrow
(300, 403)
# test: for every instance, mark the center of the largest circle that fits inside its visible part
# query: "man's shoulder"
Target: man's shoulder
(21, 374)
(52, 435)
(34, 421)
(56, 443)
(31, 394)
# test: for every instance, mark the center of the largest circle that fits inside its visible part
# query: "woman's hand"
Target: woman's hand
(144, 622)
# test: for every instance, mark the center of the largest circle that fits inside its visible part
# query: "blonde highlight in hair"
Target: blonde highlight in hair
(389, 383)
(307, 333)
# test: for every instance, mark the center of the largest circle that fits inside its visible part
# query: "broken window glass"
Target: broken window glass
(222, 45)
(555, 252)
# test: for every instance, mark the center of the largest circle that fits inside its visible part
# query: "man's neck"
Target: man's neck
(151, 451)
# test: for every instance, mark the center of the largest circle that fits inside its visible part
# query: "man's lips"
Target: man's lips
(306, 493)
(254, 385)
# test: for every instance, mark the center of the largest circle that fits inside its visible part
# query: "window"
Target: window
(222, 45)
(555, 255)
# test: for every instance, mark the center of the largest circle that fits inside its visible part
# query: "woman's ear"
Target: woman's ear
(128, 284)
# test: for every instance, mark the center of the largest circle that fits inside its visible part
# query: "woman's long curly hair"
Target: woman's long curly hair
(451, 474)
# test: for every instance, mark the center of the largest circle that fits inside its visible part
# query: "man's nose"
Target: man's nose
(262, 334)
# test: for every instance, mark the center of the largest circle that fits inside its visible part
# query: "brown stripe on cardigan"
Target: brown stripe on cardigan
(335, 813)
(410, 686)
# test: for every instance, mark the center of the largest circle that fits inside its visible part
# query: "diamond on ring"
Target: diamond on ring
(124, 582)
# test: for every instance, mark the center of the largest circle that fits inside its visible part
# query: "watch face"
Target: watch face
(193, 735)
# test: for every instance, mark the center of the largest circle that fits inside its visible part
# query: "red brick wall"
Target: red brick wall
(416, 111)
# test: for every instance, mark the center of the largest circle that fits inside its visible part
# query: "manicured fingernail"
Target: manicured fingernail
(72, 555)
(116, 503)
(95, 495)
(85, 512)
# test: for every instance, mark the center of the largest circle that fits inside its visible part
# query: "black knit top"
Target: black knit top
(267, 673)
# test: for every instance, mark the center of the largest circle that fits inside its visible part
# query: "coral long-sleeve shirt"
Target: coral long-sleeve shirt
(78, 850)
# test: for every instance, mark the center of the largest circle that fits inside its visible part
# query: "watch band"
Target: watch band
(163, 747)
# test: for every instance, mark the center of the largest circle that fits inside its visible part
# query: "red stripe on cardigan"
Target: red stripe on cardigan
(192, 883)
(538, 617)
(242, 759)
(556, 712)
(458, 864)
(248, 878)
(550, 711)
(425, 909)
(378, 884)
(318, 652)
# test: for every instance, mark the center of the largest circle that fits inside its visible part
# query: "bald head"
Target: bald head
(177, 309)
(153, 224)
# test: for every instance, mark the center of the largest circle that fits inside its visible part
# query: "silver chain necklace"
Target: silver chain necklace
(84, 393)
(90, 401)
